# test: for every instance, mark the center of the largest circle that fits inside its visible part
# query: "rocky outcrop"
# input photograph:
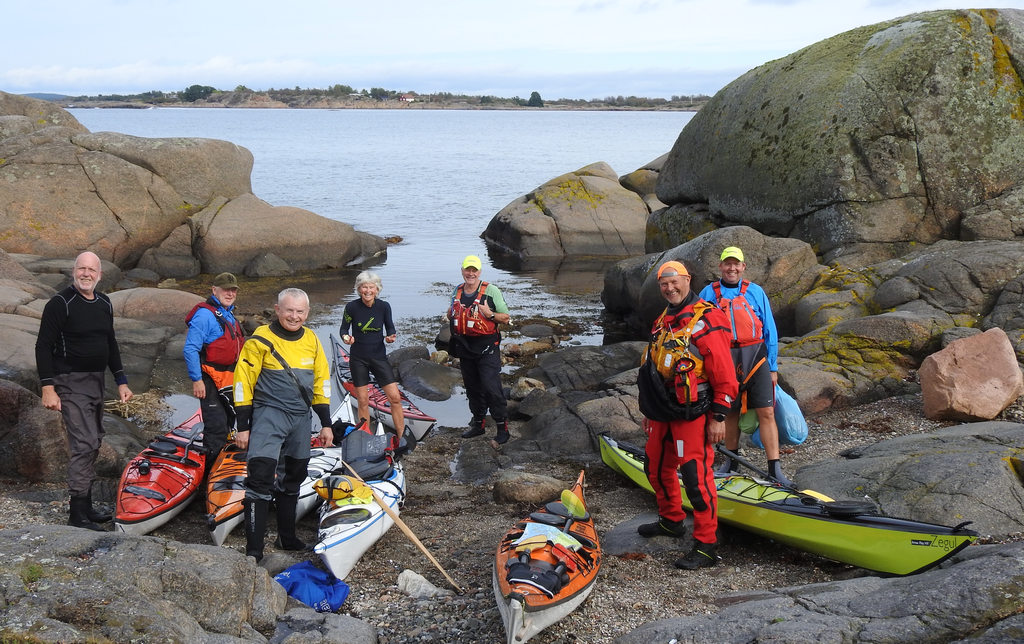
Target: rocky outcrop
(943, 476)
(785, 268)
(176, 206)
(228, 238)
(972, 378)
(866, 143)
(33, 446)
(583, 213)
(77, 585)
(972, 599)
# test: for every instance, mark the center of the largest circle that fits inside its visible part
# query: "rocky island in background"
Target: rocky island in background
(874, 182)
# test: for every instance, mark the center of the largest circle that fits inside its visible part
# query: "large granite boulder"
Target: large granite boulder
(583, 213)
(229, 237)
(33, 446)
(785, 268)
(163, 306)
(945, 476)
(177, 206)
(973, 378)
(23, 114)
(865, 143)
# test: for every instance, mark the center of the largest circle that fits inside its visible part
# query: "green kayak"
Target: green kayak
(848, 532)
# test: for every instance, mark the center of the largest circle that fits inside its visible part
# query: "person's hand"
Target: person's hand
(775, 379)
(390, 338)
(242, 440)
(199, 389)
(50, 398)
(327, 437)
(485, 311)
(716, 430)
(124, 393)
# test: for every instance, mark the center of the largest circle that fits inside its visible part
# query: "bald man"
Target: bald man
(75, 346)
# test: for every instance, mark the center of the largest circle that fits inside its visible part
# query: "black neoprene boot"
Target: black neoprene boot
(502, 436)
(476, 427)
(256, 511)
(94, 514)
(662, 528)
(286, 539)
(79, 517)
(701, 556)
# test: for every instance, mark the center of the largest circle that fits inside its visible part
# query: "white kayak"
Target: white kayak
(350, 526)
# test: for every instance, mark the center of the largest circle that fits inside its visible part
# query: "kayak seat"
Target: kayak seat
(366, 453)
(558, 508)
(161, 446)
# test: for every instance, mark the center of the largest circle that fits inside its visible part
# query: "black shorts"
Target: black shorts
(760, 391)
(362, 368)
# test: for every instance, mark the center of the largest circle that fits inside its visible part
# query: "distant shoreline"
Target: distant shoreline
(367, 105)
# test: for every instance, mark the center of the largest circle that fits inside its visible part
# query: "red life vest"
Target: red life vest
(466, 320)
(222, 353)
(747, 328)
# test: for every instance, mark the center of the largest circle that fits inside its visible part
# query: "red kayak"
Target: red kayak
(417, 421)
(161, 481)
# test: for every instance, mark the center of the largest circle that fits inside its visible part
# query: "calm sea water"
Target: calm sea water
(433, 177)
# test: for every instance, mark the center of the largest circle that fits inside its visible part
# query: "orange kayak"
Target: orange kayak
(546, 565)
(225, 490)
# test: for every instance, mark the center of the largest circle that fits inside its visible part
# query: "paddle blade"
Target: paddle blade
(573, 504)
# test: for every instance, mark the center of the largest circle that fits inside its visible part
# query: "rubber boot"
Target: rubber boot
(79, 514)
(95, 515)
(256, 511)
(286, 539)
(476, 427)
(502, 436)
(776, 471)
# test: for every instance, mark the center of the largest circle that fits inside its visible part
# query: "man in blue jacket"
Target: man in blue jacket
(212, 346)
(755, 351)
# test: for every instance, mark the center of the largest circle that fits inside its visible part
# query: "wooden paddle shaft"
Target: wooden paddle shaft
(405, 528)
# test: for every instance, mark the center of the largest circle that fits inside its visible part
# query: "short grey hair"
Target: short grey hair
(292, 292)
(369, 277)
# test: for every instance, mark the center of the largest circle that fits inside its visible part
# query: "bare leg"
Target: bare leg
(397, 415)
(769, 432)
(363, 398)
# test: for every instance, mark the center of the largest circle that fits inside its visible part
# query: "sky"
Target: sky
(581, 49)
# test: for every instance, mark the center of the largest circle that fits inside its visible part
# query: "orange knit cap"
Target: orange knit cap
(671, 269)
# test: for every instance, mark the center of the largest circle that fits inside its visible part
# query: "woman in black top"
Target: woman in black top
(371, 326)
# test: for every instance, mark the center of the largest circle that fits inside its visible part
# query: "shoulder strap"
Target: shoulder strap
(279, 358)
(743, 286)
(717, 286)
(480, 292)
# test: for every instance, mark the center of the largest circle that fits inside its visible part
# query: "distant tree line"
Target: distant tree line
(300, 96)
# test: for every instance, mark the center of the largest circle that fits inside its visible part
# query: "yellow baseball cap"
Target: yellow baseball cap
(733, 252)
(472, 261)
(671, 269)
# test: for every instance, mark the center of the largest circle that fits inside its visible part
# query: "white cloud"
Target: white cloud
(661, 47)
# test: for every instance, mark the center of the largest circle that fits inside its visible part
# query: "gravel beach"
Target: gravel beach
(461, 525)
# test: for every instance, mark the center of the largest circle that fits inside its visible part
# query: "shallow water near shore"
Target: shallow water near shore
(434, 178)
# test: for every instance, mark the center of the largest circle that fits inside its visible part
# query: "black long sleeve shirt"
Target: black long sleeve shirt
(77, 335)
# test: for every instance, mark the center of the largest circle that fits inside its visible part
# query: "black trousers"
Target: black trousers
(481, 376)
(218, 418)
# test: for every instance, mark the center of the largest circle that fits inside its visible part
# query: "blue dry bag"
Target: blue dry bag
(790, 420)
(316, 588)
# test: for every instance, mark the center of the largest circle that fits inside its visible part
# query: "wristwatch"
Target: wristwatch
(718, 417)
(492, 317)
